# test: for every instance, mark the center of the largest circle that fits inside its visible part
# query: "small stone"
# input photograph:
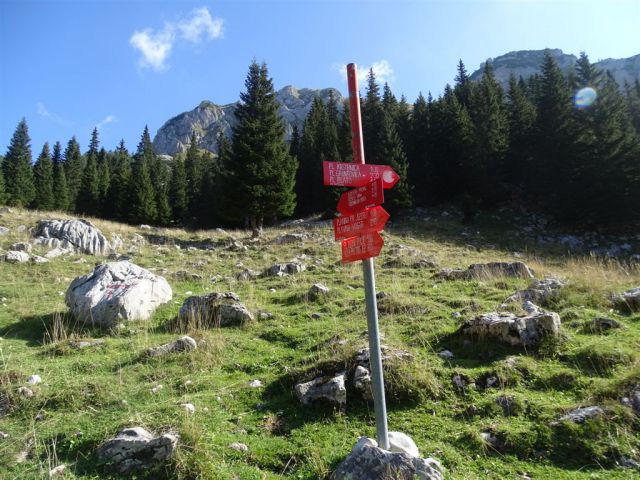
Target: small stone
(34, 380)
(124, 403)
(272, 290)
(626, 462)
(182, 344)
(456, 315)
(188, 407)
(188, 383)
(255, 384)
(25, 392)
(14, 256)
(602, 324)
(445, 354)
(580, 415)
(57, 471)
(317, 290)
(316, 316)
(3, 435)
(156, 389)
(381, 295)
(240, 447)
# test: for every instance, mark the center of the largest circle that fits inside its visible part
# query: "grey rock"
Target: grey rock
(331, 389)
(246, 274)
(25, 392)
(38, 259)
(629, 300)
(523, 331)
(79, 235)
(5, 210)
(603, 324)
(182, 344)
(492, 440)
(506, 402)
(14, 256)
(626, 462)
(317, 290)
(4, 231)
(134, 448)
(539, 291)
(116, 291)
(399, 442)
(362, 382)
(580, 415)
(283, 269)
(635, 400)
(530, 307)
(22, 247)
(445, 354)
(288, 238)
(214, 310)
(240, 447)
(367, 461)
(463, 382)
(483, 271)
(57, 252)
(361, 357)
(82, 344)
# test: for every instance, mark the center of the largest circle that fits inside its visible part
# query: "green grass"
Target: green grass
(80, 402)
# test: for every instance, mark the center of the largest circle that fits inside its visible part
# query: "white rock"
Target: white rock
(15, 256)
(255, 384)
(188, 407)
(116, 291)
(240, 447)
(57, 471)
(34, 380)
(156, 389)
(400, 442)
(445, 354)
(79, 235)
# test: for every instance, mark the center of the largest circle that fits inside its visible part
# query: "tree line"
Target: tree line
(476, 145)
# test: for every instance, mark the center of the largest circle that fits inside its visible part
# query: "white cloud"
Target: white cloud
(381, 69)
(155, 46)
(42, 110)
(200, 23)
(107, 120)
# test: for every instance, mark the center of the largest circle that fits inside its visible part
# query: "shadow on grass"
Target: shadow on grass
(39, 330)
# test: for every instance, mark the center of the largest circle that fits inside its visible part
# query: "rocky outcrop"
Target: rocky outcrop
(629, 300)
(115, 292)
(484, 271)
(539, 291)
(134, 448)
(209, 120)
(581, 415)
(367, 461)
(78, 235)
(182, 344)
(15, 256)
(330, 389)
(214, 310)
(525, 331)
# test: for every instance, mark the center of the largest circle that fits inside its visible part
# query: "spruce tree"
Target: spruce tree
(259, 177)
(195, 174)
(345, 148)
(392, 150)
(389, 102)
(372, 118)
(60, 187)
(418, 150)
(463, 86)
(294, 144)
(118, 197)
(43, 179)
(73, 169)
(521, 113)
(178, 192)
(2, 189)
(142, 203)
(88, 200)
(104, 178)
(18, 174)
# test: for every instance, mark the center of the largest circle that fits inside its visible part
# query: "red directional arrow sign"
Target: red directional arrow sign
(361, 247)
(369, 220)
(355, 200)
(340, 174)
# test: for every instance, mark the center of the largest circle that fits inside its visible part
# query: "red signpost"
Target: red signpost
(369, 220)
(361, 247)
(367, 196)
(341, 174)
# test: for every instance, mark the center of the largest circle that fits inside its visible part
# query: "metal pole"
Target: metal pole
(375, 357)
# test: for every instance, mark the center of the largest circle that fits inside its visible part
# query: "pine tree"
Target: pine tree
(60, 187)
(294, 145)
(88, 200)
(345, 148)
(178, 192)
(391, 148)
(332, 110)
(73, 169)
(463, 87)
(2, 188)
(118, 198)
(418, 150)
(104, 178)
(143, 203)
(259, 177)
(195, 173)
(632, 96)
(372, 118)
(18, 174)
(521, 113)
(43, 179)
(389, 102)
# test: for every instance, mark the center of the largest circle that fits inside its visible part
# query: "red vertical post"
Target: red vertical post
(357, 143)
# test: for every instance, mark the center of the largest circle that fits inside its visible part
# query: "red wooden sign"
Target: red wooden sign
(361, 247)
(367, 196)
(340, 174)
(369, 220)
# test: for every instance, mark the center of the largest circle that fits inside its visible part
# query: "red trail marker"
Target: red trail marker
(361, 247)
(369, 220)
(340, 174)
(367, 196)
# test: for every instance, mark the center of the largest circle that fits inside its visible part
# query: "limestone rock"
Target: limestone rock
(134, 448)
(580, 415)
(116, 291)
(57, 252)
(445, 355)
(603, 324)
(523, 331)
(214, 310)
(82, 344)
(367, 461)
(317, 290)
(629, 300)
(38, 259)
(291, 238)
(22, 247)
(15, 256)
(182, 344)
(331, 389)
(362, 382)
(283, 269)
(79, 235)
(240, 447)
(400, 442)
(4, 231)
(484, 271)
(246, 274)
(539, 291)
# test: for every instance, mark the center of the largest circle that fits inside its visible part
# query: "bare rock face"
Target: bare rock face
(629, 300)
(134, 448)
(78, 235)
(526, 331)
(15, 256)
(331, 389)
(539, 291)
(182, 344)
(116, 291)
(214, 310)
(367, 461)
(484, 271)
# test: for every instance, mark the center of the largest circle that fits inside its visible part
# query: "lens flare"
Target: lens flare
(585, 97)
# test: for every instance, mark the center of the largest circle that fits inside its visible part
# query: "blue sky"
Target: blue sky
(68, 66)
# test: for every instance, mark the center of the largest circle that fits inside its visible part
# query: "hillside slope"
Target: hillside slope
(445, 404)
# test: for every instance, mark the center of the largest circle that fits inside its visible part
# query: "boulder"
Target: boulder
(603, 324)
(580, 415)
(57, 252)
(539, 291)
(214, 310)
(246, 274)
(116, 292)
(134, 448)
(329, 388)
(182, 344)
(367, 461)
(15, 256)
(525, 331)
(22, 247)
(484, 271)
(629, 300)
(79, 235)
(291, 238)
(400, 442)
(283, 269)
(317, 290)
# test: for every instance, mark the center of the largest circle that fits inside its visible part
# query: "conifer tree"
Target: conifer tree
(345, 148)
(143, 203)
(43, 179)
(632, 95)
(118, 198)
(418, 150)
(372, 118)
(73, 169)
(294, 145)
(389, 102)
(521, 114)
(2, 189)
(60, 188)
(178, 192)
(259, 177)
(18, 174)
(463, 87)
(195, 173)
(392, 150)
(88, 200)
(332, 110)
(403, 122)
(104, 178)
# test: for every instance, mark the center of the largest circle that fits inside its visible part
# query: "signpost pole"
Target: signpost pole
(375, 358)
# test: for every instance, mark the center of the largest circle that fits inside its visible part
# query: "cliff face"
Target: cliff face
(525, 63)
(208, 119)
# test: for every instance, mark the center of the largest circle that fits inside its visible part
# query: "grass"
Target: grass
(88, 394)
